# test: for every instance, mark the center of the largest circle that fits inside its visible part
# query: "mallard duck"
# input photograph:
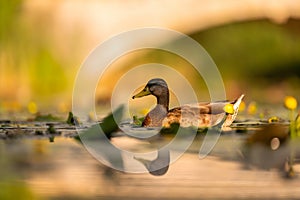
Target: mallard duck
(198, 114)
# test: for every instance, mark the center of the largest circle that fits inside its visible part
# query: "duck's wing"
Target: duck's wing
(208, 108)
(199, 115)
(202, 114)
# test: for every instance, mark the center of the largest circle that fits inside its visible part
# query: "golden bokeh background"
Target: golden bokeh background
(43, 43)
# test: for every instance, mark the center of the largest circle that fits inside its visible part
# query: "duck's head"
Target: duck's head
(156, 87)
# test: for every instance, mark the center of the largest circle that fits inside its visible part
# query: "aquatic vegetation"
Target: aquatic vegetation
(72, 120)
(51, 129)
(172, 129)
(46, 118)
(276, 141)
(297, 125)
(51, 138)
(291, 104)
(274, 119)
(39, 132)
(109, 125)
(138, 120)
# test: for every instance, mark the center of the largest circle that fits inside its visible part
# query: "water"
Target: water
(64, 169)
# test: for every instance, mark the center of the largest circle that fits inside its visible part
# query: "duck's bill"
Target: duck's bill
(142, 93)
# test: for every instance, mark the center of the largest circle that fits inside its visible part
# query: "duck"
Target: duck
(201, 114)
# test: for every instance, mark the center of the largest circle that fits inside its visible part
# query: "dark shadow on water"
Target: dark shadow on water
(160, 165)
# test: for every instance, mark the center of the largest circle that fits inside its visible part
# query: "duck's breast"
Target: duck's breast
(155, 117)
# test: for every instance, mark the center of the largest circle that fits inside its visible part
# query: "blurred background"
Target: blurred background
(43, 43)
(255, 45)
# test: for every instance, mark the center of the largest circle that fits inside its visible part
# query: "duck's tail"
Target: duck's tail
(237, 103)
(231, 117)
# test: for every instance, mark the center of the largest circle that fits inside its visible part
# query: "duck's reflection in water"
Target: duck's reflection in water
(160, 165)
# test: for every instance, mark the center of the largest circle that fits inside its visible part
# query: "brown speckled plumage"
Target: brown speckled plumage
(199, 114)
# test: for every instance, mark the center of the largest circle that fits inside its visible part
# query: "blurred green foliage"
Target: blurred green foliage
(15, 190)
(254, 49)
(26, 50)
(9, 11)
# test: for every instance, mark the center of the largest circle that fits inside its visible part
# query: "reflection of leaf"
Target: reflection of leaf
(51, 129)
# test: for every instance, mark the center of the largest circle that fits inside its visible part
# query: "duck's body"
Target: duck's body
(199, 114)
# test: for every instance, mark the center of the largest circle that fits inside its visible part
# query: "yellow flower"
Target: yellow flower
(228, 108)
(252, 108)
(242, 106)
(32, 107)
(290, 103)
